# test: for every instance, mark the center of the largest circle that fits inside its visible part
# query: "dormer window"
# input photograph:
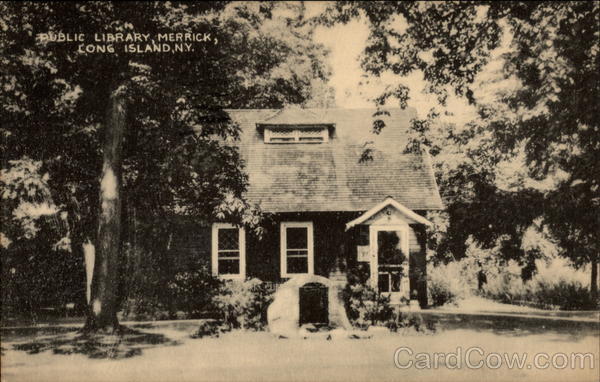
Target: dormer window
(294, 125)
(296, 134)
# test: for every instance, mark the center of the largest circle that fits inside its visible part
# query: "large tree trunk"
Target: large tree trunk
(594, 282)
(103, 305)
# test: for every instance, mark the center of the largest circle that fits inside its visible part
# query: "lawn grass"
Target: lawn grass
(164, 351)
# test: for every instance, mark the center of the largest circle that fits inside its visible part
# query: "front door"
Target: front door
(389, 261)
(314, 304)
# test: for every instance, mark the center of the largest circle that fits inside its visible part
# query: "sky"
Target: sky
(352, 90)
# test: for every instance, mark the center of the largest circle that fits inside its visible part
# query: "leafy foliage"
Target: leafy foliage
(244, 304)
(405, 322)
(446, 284)
(187, 295)
(27, 292)
(208, 328)
(25, 199)
(178, 156)
(543, 116)
(42, 273)
(556, 285)
(365, 306)
(193, 292)
(158, 288)
(551, 283)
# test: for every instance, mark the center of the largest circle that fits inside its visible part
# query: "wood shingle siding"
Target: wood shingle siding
(330, 241)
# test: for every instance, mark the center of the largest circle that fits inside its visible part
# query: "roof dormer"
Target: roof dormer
(295, 126)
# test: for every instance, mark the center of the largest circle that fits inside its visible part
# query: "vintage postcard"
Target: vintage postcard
(300, 191)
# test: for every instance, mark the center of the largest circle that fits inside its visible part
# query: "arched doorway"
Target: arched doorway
(314, 304)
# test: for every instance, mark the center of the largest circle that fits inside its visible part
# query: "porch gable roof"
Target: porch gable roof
(389, 201)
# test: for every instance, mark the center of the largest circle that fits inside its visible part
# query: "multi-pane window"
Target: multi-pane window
(312, 135)
(296, 135)
(228, 251)
(280, 135)
(392, 259)
(389, 279)
(297, 256)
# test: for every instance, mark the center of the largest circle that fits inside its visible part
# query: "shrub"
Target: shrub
(208, 328)
(555, 285)
(146, 296)
(446, 285)
(144, 308)
(243, 305)
(193, 292)
(506, 285)
(563, 294)
(38, 280)
(559, 284)
(411, 320)
(158, 295)
(365, 306)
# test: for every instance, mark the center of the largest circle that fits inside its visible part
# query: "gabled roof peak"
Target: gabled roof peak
(389, 202)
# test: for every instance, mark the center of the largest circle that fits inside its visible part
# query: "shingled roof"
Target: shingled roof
(329, 176)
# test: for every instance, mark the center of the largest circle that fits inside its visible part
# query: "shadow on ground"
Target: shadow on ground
(564, 330)
(124, 343)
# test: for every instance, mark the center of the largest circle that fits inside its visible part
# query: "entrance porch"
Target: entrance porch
(394, 252)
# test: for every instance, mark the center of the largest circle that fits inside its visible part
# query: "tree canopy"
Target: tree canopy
(548, 116)
(56, 97)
